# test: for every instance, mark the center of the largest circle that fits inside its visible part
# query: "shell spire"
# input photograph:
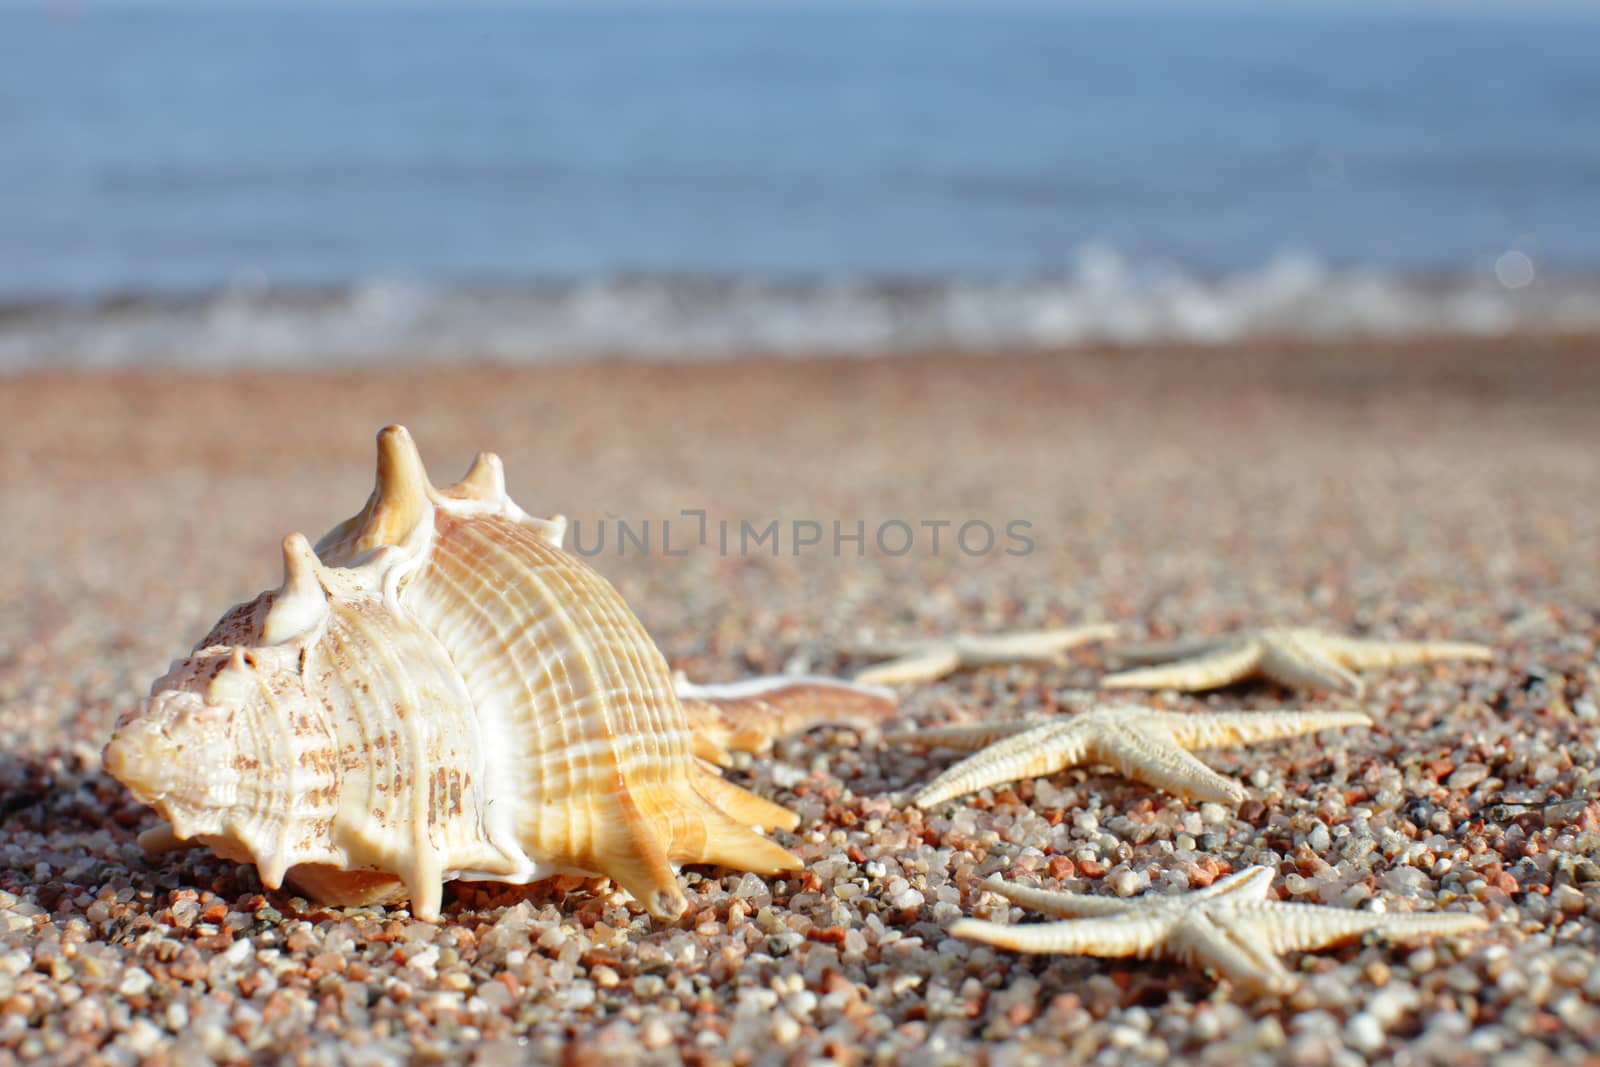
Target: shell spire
(400, 500)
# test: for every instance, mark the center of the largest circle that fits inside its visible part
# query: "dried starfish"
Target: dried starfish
(1295, 659)
(1142, 743)
(929, 659)
(749, 716)
(1232, 926)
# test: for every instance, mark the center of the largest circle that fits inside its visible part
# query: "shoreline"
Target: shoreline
(366, 322)
(1426, 358)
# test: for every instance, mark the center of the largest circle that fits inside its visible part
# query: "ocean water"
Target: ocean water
(289, 184)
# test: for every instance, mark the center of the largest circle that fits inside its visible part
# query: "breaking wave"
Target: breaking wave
(1104, 299)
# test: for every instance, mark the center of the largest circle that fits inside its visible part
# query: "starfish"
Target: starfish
(749, 716)
(1142, 743)
(1295, 659)
(926, 660)
(1232, 927)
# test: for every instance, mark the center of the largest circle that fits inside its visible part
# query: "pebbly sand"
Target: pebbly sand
(1440, 488)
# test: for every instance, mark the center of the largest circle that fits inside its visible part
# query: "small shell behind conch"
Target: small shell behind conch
(438, 692)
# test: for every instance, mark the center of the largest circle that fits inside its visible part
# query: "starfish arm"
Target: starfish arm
(1166, 651)
(1039, 751)
(1029, 646)
(1285, 927)
(1250, 884)
(1216, 729)
(1201, 942)
(1420, 926)
(1110, 937)
(749, 716)
(926, 664)
(1362, 653)
(1302, 664)
(1224, 665)
(965, 737)
(1059, 905)
(1161, 764)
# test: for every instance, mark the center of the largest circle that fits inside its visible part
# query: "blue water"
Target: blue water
(440, 156)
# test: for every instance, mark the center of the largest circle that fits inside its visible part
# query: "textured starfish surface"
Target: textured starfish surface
(749, 716)
(1142, 743)
(1294, 658)
(1232, 927)
(930, 659)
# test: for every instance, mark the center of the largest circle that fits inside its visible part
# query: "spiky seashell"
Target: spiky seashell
(436, 692)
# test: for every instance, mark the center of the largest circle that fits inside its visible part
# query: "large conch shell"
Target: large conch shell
(439, 692)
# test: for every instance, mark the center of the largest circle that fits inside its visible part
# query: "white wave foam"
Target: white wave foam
(1105, 299)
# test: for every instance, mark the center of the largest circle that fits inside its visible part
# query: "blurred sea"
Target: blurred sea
(283, 185)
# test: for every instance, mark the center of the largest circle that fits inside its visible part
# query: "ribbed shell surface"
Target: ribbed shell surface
(409, 752)
(578, 703)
